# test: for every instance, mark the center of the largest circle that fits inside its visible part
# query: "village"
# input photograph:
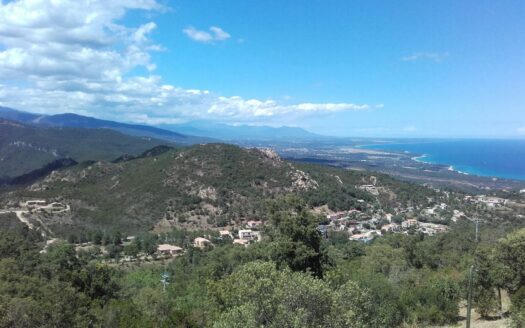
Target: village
(363, 224)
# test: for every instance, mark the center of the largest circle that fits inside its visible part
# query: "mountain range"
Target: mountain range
(78, 121)
(185, 134)
(30, 141)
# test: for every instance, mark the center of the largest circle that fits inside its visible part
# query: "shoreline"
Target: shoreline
(451, 168)
(466, 171)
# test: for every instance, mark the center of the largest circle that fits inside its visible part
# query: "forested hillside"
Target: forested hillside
(326, 247)
(200, 187)
(293, 278)
(24, 148)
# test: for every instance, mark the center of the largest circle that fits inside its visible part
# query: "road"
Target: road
(20, 216)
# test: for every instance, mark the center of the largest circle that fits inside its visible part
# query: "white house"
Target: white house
(409, 223)
(200, 242)
(253, 224)
(167, 249)
(248, 235)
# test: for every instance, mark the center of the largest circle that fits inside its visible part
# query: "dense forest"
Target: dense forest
(292, 278)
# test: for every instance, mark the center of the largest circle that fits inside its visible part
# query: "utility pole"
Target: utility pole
(165, 280)
(469, 302)
(470, 278)
(477, 230)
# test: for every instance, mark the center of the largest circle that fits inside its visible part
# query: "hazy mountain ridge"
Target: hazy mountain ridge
(79, 121)
(242, 132)
(186, 134)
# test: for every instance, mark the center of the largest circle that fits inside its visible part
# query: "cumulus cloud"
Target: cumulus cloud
(77, 56)
(431, 56)
(215, 34)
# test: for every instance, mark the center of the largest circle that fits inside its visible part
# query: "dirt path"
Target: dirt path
(20, 216)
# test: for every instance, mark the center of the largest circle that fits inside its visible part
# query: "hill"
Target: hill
(79, 121)
(200, 187)
(24, 148)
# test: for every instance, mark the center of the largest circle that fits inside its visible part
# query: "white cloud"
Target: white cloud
(77, 56)
(196, 35)
(432, 56)
(521, 131)
(215, 34)
(219, 33)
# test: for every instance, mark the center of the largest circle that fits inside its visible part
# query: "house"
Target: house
(392, 227)
(409, 223)
(241, 242)
(353, 212)
(167, 249)
(370, 188)
(362, 237)
(200, 242)
(253, 224)
(490, 201)
(225, 234)
(353, 222)
(248, 235)
(366, 236)
(336, 216)
(31, 204)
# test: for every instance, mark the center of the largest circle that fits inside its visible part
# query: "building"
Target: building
(225, 234)
(366, 236)
(167, 249)
(241, 242)
(370, 188)
(31, 204)
(248, 235)
(407, 224)
(392, 227)
(336, 216)
(200, 242)
(253, 224)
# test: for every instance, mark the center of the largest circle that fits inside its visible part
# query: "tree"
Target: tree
(296, 241)
(488, 279)
(260, 295)
(511, 253)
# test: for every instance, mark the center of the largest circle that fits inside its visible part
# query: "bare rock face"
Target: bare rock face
(270, 153)
(208, 193)
(302, 180)
(338, 179)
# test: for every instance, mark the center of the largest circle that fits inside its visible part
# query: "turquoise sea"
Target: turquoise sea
(492, 158)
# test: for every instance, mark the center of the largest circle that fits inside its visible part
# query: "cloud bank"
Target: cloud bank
(78, 56)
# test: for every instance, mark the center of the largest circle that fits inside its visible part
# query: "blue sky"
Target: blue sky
(346, 68)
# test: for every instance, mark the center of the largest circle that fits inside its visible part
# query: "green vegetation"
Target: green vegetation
(24, 148)
(212, 185)
(293, 278)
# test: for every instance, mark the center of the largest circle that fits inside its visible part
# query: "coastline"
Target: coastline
(453, 167)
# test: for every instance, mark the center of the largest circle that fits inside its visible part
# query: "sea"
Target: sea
(491, 158)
